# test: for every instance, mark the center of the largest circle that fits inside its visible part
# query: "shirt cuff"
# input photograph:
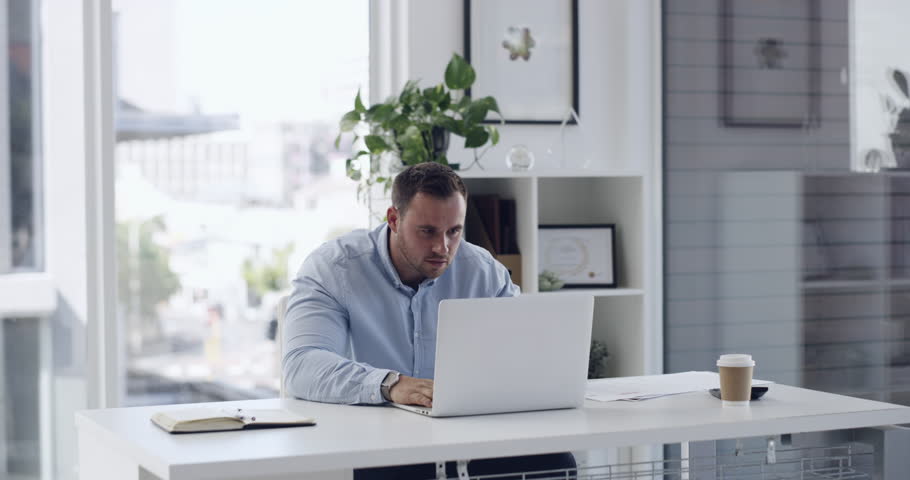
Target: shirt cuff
(372, 386)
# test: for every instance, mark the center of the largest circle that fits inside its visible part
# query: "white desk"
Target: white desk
(123, 444)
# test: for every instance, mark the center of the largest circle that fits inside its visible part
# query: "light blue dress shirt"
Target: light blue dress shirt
(350, 319)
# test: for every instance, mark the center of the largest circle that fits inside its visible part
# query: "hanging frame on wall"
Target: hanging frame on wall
(527, 58)
(769, 68)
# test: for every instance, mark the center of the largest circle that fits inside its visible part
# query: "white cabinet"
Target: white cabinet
(624, 319)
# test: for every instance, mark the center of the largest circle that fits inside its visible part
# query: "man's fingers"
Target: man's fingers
(413, 391)
(418, 398)
(426, 391)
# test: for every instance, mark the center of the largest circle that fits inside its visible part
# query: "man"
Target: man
(361, 321)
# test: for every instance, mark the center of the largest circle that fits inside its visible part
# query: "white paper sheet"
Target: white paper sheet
(653, 386)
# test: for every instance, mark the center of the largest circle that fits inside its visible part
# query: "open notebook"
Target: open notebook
(218, 419)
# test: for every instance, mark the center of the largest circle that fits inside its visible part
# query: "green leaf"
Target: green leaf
(413, 148)
(383, 113)
(475, 113)
(476, 137)
(358, 104)
(410, 93)
(446, 101)
(442, 159)
(494, 133)
(435, 95)
(463, 103)
(361, 153)
(349, 121)
(446, 122)
(412, 156)
(352, 170)
(376, 144)
(338, 141)
(493, 106)
(459, 73)
(399, 123)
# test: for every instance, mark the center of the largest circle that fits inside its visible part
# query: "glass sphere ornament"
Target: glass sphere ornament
(520, 158)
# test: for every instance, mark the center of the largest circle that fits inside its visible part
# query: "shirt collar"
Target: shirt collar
(385, 257)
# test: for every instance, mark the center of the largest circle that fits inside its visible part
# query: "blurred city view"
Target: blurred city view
(226, 179)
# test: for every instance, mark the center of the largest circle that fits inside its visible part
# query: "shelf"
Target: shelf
(547, 173)
(598, 292)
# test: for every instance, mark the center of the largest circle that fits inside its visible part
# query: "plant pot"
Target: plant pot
(440, 139)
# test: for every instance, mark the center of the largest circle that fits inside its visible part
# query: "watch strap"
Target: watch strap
(388, 382)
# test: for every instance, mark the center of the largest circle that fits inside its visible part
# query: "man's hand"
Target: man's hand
(413, 391)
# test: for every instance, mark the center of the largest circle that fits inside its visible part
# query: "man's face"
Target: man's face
(427, 235)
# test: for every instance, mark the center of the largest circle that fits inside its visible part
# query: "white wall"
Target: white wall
(616, 103)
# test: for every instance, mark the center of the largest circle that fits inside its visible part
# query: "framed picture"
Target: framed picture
(769, 63)
(526, 57)
(583, 256)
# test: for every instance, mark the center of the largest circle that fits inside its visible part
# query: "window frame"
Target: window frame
(6, 200)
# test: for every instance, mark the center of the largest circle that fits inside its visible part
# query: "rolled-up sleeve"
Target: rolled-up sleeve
(316, 337)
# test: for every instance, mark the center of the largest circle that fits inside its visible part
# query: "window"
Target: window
(22, 417)
(21, 232)
(226, 178)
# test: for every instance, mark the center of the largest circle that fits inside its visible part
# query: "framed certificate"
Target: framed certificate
(583, 256)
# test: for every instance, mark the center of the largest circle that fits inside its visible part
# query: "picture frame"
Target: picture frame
(583, 256)
(769, 68)
(527, 58)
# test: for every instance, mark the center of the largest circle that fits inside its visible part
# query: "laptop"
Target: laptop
(517, 354)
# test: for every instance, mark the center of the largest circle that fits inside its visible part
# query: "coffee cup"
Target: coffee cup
(735, 379)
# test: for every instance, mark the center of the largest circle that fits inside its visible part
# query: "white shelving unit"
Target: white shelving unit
(553, 197)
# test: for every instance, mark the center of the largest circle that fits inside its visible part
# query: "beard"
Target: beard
(421, 264)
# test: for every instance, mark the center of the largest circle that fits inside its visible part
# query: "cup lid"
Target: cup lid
(735, 360)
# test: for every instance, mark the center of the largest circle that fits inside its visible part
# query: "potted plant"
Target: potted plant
(597, 359)
(414, 126)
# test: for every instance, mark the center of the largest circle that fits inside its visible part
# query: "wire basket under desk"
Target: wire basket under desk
(845, 462)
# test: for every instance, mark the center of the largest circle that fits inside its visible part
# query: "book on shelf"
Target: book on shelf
(203, 419)
(488, 209)
(491, 223)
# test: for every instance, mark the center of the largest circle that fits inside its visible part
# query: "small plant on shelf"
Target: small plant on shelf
(548, 281)
(597, 362)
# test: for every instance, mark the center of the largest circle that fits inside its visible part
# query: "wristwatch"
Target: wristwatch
(388, 382)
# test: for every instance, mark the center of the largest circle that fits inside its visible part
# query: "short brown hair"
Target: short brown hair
(431, 178)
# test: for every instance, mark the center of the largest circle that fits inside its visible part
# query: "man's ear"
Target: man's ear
(392, 217)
